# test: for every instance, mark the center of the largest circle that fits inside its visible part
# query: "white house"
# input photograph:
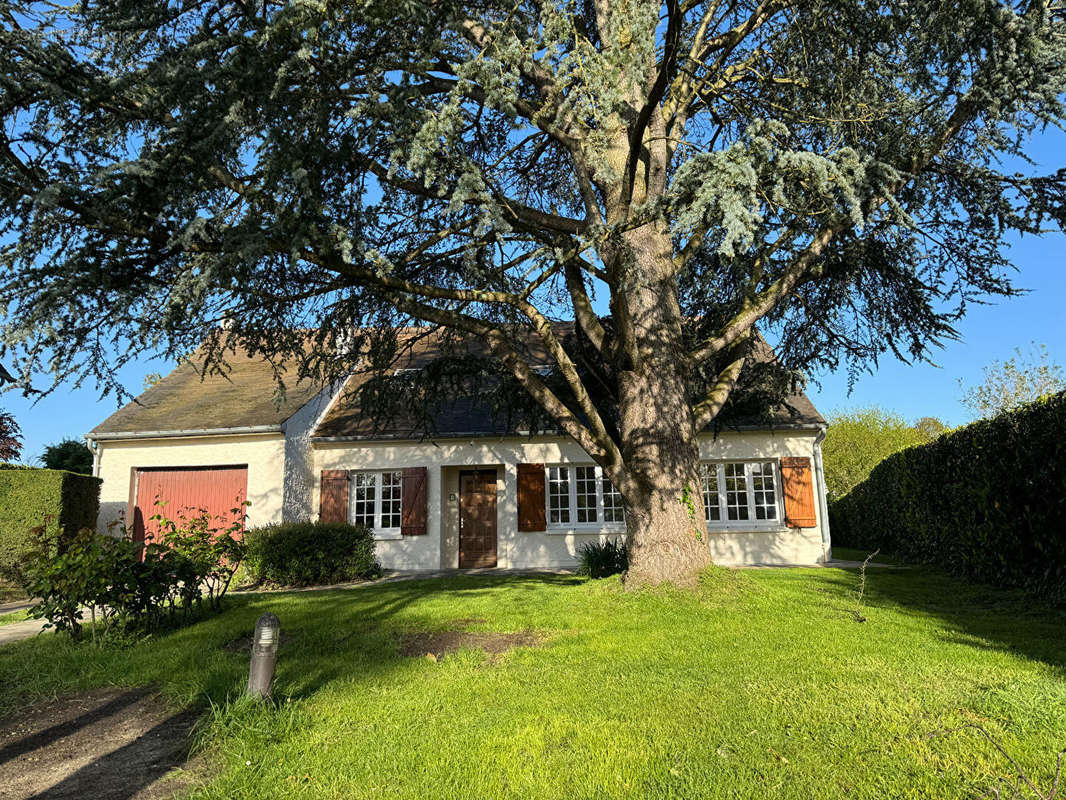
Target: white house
(472, 494)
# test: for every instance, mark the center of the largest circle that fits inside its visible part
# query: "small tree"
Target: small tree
(1008, 384)
(69, 454)
(10, 438)
(857, 441)
(930, 427)
(151, 379)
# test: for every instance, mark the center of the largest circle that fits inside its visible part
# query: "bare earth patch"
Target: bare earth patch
(109, 744)
(438, 645)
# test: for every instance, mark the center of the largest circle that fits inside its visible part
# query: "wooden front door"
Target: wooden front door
(477, 518)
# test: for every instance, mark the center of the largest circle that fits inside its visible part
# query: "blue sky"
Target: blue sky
(988, 333)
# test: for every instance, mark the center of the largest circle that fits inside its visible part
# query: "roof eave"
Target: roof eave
(103, 436)
(407, 437)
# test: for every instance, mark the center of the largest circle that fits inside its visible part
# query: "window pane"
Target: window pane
(736, 491)
(391, 500)
(559, 495)
(585, 484)
(612, 502)
(363, 499)
(763, 491)
(709, 475)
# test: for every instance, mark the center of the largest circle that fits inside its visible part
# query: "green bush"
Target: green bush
(128, 588)
(59, 502)
(601, 559)
(857, 440)
(304, 553)
(986, 501)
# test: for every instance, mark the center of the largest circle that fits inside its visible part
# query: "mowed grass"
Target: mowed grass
(759, 684)
(11, 617)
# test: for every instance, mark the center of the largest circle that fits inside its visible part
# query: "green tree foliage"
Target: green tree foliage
(151, 379)
(247, 171)
(69, 454)
(1013, 382)
(930, 427)
(859, 439)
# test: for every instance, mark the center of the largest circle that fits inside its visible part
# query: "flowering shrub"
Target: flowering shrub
(132, 587)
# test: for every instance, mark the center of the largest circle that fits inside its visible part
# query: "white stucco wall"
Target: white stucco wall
(556, 548)
(264, 455)
(299, 478)
(283, 483)
(777, 544)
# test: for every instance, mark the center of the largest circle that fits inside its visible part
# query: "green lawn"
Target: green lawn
(12, 617)
(854, 554)
(762, 685)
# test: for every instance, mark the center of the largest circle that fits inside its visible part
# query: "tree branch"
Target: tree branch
(655, 96)
(800, 269)
(525, 216)
(708, 408)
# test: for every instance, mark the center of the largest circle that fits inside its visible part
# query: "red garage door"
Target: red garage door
(188, 492)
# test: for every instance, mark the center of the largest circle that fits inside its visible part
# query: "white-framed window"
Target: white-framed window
(558, 482)
(709, 474)
(375, 499)
(741, 493)
(612, 501)
(581, 496)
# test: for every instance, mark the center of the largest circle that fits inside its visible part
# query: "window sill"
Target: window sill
(587, 530)
(748, 528)
(387, 536)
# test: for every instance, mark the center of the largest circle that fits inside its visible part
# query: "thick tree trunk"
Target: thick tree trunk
(666, 519)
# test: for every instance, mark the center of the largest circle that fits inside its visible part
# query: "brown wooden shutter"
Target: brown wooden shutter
(799, 492)
(531, 515)
(414, 505)
(333, 496)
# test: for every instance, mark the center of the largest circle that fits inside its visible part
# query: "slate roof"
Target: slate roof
(467, 416)
(185, 401)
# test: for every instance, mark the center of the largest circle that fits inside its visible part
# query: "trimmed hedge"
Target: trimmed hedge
(987, 501)
(305, 553)
(31, 498)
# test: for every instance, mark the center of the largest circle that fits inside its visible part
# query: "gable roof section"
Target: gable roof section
(185, 401)
(466, 416)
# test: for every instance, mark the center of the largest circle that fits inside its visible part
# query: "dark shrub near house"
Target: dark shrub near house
(602, 559)
(987, 501)
(30, 498)
(304, 553)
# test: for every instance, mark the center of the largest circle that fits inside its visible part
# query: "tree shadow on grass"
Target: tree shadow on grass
(975, 615)
(102, 744)
(336, 635)
(357, 633)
